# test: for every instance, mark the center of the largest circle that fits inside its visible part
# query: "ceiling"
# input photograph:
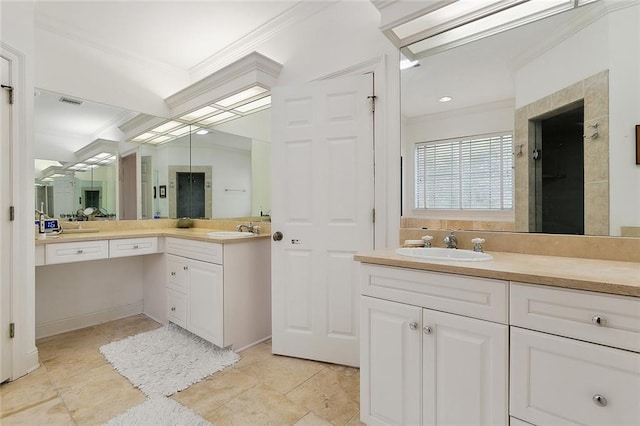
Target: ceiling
(183, 35)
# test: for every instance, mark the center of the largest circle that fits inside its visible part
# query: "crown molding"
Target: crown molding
(140, 124)
(474, 109)
(254, 39)
(266, 73)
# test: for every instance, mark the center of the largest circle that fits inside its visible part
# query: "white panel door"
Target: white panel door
(322, 203)
(5, 229)
(465, 370)
(391, 370)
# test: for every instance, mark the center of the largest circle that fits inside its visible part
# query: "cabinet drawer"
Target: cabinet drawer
(481, 298)
(133, 246)
(556, 380)
(600, 318)
(199, 250)
(177, 273)
(177, 308)
(76, 252)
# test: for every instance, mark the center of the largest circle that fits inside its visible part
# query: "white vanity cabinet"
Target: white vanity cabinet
(195, 295)
(220, 292)
(574, 357)
(424, 358)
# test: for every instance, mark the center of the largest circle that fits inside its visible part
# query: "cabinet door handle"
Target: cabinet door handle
(413, 325)
(173, 274)
(599, 400)
(426, 329)
(186, 268)
(598, 320)
(173, 309)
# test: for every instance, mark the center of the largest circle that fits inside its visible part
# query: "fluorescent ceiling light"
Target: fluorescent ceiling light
(260, 103)
(160, 139)
(182, 130)
(242, 96)
(199, 113)
(217, 118)
(143, 137)
(445, 99)
(500, 21)
(166, 127)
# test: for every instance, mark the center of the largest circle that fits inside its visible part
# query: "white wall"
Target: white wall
(260, 177)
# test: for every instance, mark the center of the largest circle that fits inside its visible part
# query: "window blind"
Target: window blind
(467, 173)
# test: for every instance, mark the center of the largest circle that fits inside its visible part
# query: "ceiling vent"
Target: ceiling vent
(70, 101)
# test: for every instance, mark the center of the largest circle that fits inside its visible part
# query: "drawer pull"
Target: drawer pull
(426, 329)
(599, 400)
(173, 309)
(598, 320)
(135, 246)
(80, 251)
(413, 325)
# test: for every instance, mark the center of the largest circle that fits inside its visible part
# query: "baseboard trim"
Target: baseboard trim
(87, 320)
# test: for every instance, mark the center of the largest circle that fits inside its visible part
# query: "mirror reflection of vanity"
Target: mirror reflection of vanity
(586, 59)
(222, 174)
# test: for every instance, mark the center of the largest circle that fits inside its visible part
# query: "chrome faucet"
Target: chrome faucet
(250, 228)
(451, 241)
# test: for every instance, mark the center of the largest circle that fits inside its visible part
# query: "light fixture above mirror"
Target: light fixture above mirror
(431, 27)
(240, 89)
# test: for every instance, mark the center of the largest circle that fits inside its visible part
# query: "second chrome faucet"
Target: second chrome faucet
(451, 241)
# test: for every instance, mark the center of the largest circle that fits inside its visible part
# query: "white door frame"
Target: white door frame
(25, 353)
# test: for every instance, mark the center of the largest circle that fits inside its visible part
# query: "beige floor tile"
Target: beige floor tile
(254, 354)
(125, 327)
(331, 394)
(282, 373)
(312, 419)
(258, 406)
(62, 344)
(99, 395)
(81, 361)
(215, 391)
(27, 391)
(355, 421)
(51, 412)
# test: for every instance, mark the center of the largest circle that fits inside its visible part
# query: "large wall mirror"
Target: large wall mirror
(219, 172)
(565, 88)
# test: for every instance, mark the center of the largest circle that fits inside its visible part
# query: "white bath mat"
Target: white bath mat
(158, 411)
(166, 360)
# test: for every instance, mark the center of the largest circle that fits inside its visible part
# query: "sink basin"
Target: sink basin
(438, 253)
(229, 234)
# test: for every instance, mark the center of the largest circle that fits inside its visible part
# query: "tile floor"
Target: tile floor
(75, 385)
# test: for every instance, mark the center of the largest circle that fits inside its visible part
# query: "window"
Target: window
(465, 173)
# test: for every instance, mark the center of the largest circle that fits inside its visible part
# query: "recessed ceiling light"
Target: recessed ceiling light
(445, 99)
(406, 63)
(202, 132)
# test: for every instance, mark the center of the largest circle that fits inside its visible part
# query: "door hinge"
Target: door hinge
(12, 213)
(12, 330)
(373, 99)
(10, 89)
(374, 215)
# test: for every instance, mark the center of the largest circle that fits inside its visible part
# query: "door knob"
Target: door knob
(277, 236)
(599, 400)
